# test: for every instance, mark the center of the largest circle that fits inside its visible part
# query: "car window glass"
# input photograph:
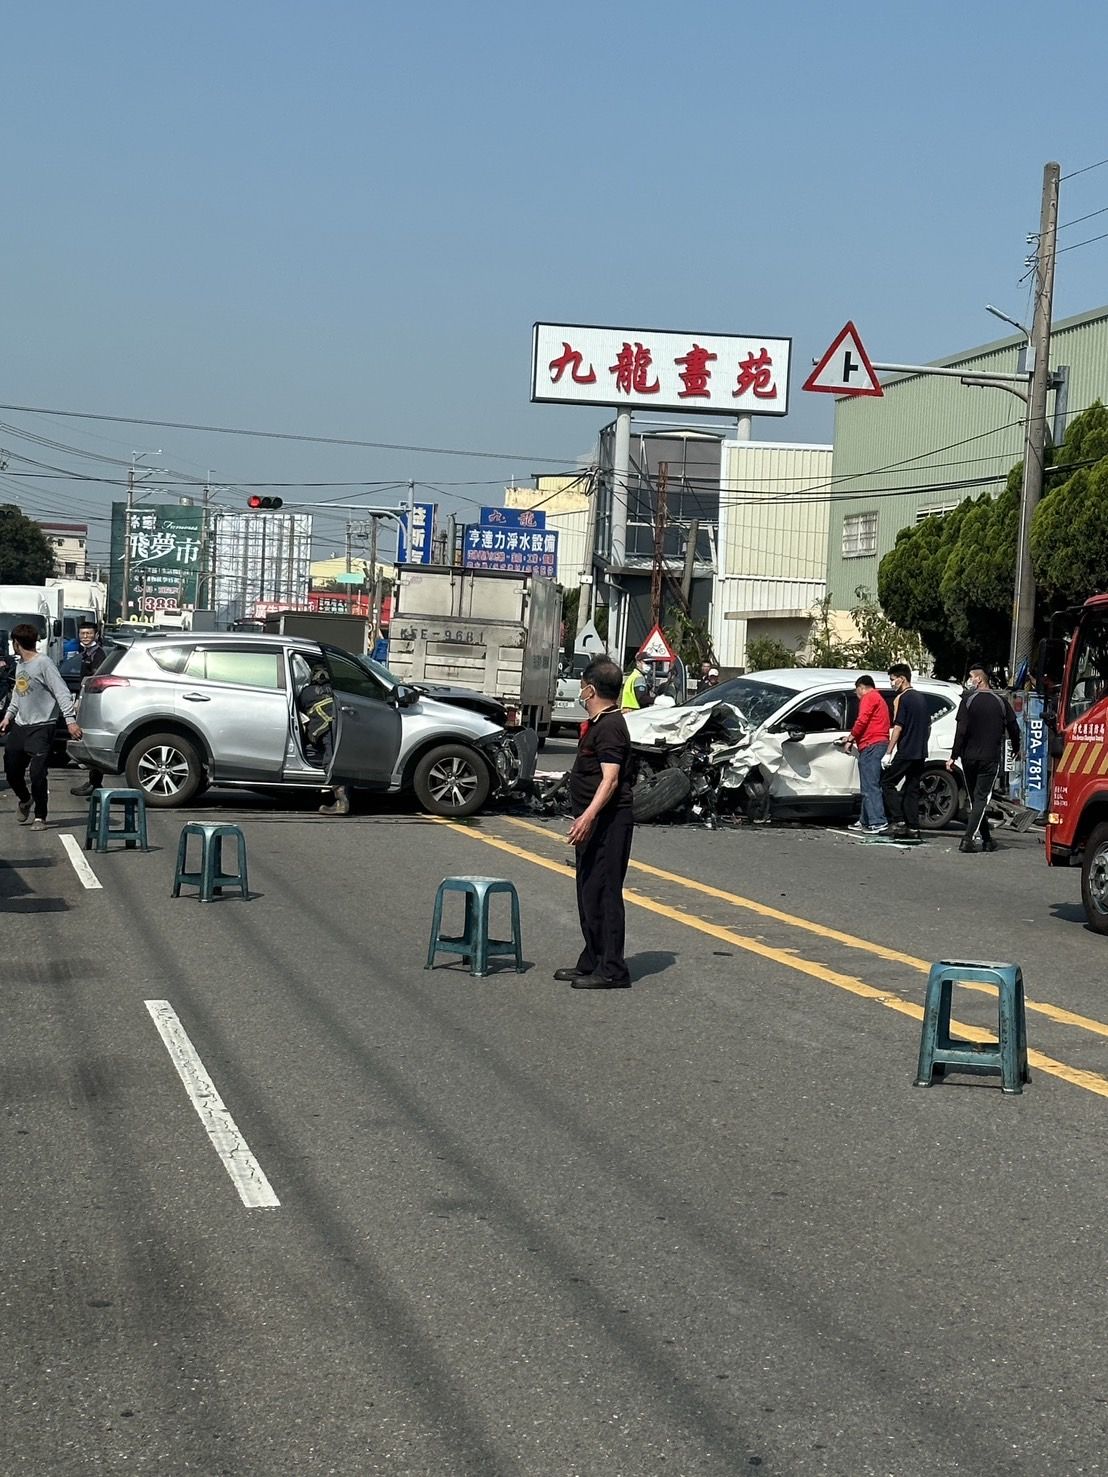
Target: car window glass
(347, 675)
(301, 670)
(825, 713)
(169, 658)
(242, 668)
(937, 704)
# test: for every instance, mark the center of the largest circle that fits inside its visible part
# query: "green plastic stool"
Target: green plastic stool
(1006, 1057)
(474, 943)
(211, 878)
(99, 830)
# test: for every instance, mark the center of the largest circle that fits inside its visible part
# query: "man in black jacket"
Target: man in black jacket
(983, 719)
(92, 654)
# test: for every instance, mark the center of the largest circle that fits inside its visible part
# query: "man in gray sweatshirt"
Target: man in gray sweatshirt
(28, 724)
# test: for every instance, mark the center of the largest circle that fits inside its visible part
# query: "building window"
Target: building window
(71, 571)
(859, 535)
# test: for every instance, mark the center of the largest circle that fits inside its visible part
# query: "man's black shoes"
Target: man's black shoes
(85, 789)
(969, 847)
(598, 982)
(989, 845)
(582, 981)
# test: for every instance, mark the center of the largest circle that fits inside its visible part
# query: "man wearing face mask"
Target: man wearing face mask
(983, 719)
(907, 752)
(92, 653)
(600, 789)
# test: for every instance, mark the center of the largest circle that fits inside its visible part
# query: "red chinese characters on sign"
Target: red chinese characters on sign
(696, 374)
(756, 373)
(571, 359)
(632, 370)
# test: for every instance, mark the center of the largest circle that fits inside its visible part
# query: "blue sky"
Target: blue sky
(343, 218)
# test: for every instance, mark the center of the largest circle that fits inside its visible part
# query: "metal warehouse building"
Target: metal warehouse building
(931, 441)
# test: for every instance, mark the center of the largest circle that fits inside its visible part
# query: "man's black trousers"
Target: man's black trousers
(601, 868)
(902, 806)
(980, 778)
(27, 746)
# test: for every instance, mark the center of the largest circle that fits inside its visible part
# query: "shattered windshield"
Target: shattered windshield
(757, 700)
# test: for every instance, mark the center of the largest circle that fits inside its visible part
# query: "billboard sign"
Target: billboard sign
(514, 517)
(424, 516)
(165, 542)
(656, 369)
(510, 550)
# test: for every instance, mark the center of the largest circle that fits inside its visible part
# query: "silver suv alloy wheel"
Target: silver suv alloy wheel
(163, 770)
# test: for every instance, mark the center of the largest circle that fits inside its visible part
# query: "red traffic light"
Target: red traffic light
(268, 503)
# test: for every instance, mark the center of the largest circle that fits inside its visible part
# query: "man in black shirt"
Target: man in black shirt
(906, 755)
(600, 789)
(983, 719)
(92, 654)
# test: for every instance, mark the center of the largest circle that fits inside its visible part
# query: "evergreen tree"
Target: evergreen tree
(26, 557)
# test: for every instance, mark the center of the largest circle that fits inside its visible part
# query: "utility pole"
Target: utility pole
(586, 602)
(690, 560)
(1023, 605)
(659, 545)
(349, 544)
(373, 576)
(617, 550)
(409, 531)
(125, 598)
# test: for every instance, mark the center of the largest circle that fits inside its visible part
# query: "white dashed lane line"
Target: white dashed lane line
(250, 1181)
(80, 861)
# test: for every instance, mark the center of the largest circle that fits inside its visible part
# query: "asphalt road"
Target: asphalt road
(703, 1226)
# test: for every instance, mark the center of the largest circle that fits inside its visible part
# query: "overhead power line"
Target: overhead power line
(165, 425)
(1075, 172)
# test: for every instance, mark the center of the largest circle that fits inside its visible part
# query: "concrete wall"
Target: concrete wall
(772, 546)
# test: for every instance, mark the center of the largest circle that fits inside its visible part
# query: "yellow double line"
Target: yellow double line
(1090, 1081)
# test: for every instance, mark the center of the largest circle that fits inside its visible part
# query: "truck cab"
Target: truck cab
(35, 605)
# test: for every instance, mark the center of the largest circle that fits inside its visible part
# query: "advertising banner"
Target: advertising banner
(515, 550)
(424, 514)
(514, 517)
(165, 542)
(656, 369)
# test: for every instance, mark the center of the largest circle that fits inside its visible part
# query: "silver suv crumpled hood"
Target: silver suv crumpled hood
(513, 752)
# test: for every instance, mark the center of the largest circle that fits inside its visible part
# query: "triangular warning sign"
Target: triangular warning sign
(845, 368)
(657, 648)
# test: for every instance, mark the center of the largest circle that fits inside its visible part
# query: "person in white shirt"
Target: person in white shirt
(28, 725)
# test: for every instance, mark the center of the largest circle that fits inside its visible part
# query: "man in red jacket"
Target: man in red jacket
(870, 736)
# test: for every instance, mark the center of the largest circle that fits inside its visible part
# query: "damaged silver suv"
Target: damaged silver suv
(178, 712)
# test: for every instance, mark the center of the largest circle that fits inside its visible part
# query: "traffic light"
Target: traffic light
(266, 504)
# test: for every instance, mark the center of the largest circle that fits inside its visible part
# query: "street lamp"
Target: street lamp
(1029, 360)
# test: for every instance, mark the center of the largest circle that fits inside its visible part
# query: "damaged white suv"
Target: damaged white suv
(798, 717)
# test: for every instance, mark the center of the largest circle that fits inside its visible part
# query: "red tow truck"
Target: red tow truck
(1076, 682)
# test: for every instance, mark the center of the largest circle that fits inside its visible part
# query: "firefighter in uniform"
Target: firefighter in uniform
(315, 702)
